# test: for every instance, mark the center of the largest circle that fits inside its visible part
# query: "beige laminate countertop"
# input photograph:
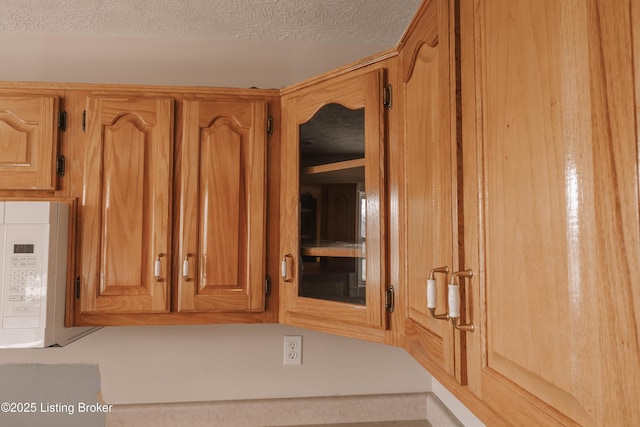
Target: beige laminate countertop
(415, 423)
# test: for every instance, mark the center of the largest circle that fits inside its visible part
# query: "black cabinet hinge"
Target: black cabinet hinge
(60, 163)
(84, 119)
(267, 285)
(62, 121)
(77, 287)
(387, 97)
(389, 299)
(269, 125)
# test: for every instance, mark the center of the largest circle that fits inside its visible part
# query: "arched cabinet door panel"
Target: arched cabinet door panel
(222, 198)
(333, 206)
(126, 205)
(28, 141)
(428, 208)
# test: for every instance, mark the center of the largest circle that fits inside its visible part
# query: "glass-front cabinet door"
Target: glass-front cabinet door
(332, 259)
(333, 206)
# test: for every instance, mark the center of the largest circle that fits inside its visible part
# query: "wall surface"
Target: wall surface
(156, 364)
(193, 62)
(464, 415)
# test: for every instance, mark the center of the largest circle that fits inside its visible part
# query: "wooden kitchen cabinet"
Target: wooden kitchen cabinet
(222, 206)
(429, 201)
(333, 205)
(28, 140)
(174, 214)
(538, 184)
(126, 205)
(550, 147)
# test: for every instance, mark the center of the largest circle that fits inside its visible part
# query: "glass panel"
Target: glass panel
(332, 206)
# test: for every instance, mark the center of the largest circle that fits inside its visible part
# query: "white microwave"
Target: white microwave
(33, 268)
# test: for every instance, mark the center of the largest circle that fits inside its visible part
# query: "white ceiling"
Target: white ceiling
(380, 22)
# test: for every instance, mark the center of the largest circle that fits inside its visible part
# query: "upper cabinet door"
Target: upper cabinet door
(333, 206)
(429, 183)
(126, 205)
(222, 225)
(551, 209)
(28, 142)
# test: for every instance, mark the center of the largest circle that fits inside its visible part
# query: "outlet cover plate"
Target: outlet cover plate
(292, 350)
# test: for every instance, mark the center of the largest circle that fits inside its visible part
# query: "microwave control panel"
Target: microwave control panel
(25, 254)
(24, 279)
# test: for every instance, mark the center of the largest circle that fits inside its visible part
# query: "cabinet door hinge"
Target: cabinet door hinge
(389, 299)
(269, 125)
(62, 121)
(77, 287)
(60, 165)
(387, 97)
(84, 120)
(267, 285)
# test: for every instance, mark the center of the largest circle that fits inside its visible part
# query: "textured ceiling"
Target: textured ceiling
(323, 21)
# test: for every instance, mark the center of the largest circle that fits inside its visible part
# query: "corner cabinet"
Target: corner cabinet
(332, 210)
(527, 152)
(173, 217)
(28, 141)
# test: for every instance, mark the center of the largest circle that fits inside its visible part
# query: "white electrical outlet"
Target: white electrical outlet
(293, 349)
